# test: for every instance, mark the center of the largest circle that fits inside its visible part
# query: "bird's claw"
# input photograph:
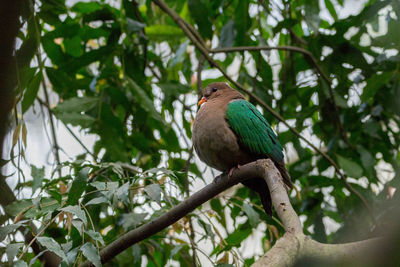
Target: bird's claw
(230, 173)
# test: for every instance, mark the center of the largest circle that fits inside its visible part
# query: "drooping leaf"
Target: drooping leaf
(237, 236)
(78, 186)
(154, 192)
(95, 235)
(52, 245)
(77, 211)
(76, 119)
(73, 46)
(132, 220)
(228, 34)
(134, 26)
(77, 104)
(351, 168)
(37, 176)
(198, 11)
(5, 230)
(143, 99)
(91, 253)
(31, 92)
(374, 84)
(161, 32)
(253, 216)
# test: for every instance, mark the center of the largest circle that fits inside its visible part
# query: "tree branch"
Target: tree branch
(283, 48)
(291, 247)
(294, 247)
(181, 23)
(220, 183)
(279, 197)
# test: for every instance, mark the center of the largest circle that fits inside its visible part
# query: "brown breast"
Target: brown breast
(213, 140)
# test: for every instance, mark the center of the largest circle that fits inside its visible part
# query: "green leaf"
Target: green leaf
(31, 92)
(179, 55)
(123, 192)
(198, 11)
(132, 220)
(351, 168)
(76, 119)
(37, 176)
(89, 7)
(154, 192)
(367, 159)
(97, 200)
(17, 206)
(73, 46)
(26, 52)
(374, 83)
(95, 235)
(78, 186)
(207, 228)
(79, 226)
(76, 210)
(77, 104)
(12, 250)
(52, 245)
(161, 32)
(91, 253)
(228, 34)
(144, 100)
(242, 22)
(253, 216)
(235, 239)
(331, 9)
(312, 14)
(175, 250)
(391, 39)
(172, 90)
(99, 185)
(5, 230)
(134, 26)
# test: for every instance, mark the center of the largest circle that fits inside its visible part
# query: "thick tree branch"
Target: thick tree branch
(189, 32)
(293, 247)
(279, 197)
(220, 183)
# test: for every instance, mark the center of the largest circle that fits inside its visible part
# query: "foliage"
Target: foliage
(126, 73)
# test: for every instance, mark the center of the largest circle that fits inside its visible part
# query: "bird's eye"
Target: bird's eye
(214, 89)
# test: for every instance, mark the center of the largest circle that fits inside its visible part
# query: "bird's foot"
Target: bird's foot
(230, 173)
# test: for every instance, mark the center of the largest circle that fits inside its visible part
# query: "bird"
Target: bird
(228, 131)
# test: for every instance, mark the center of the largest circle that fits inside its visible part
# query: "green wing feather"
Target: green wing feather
(253, 130)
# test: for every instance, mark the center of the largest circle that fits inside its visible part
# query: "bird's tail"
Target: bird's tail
(260, 186)
(285, 174)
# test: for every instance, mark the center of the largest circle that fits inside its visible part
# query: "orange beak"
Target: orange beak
(202, 100)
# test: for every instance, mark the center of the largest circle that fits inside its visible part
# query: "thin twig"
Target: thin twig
(52, 127)
(191, 235)
(41, 66)
(199, 81)
(212, 62)
(282, 48)
(37, 235)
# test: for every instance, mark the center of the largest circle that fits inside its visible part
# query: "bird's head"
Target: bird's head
(218, 89)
